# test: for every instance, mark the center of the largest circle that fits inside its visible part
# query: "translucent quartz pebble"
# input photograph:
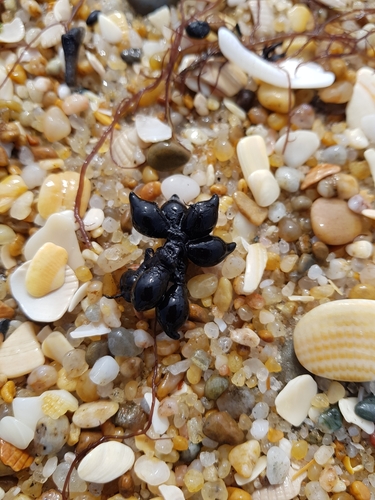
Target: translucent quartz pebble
(186, 188)
(104, 370)
(60, 230)
(20, 353)
(93, 219)
(57, 402)
(252, 154)
(293, 402)
(55, 346)
(89, 330)
(12, 186)
(28, 411)
(170, 492)
(106, 462)
(347, 408)
(277, 465)
(335, 340)
(93, 414)
(301, 144)
(121, 342)
(151, 470)
(151, 129)
(76, 484)
(160, 424)
(286, 491)
(264, 187)
(50, 307)
(15, 432)
(143, 339)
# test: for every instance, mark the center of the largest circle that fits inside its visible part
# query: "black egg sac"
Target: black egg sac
(92, 18)
(198, 29)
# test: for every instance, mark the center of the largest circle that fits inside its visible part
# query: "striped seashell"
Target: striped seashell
(336, 340)
(14, 457)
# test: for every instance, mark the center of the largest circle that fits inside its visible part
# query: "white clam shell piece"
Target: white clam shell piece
(12, 32)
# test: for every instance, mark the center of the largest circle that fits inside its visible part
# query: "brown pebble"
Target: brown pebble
(338, 93)
(6, 311)
(166, 156)
(333, 222)
(258, 115)
(359, 491)
(343, 495)
(250, 209)
(87, 438)
(320, 251)
(222, 428)
(44, 153)
(198, 313)
(346, 185)
(150, 191)
(318, 173)
(168, 384)
(4, 160)
(275, 98)
(126, 485)
(9, 132)
(289, 230)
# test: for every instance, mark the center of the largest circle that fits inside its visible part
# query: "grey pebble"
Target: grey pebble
(215, 386)
(236, 400)
(95, 351)
(121, 342)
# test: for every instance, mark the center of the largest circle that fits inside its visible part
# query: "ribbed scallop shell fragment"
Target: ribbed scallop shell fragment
(337, 340)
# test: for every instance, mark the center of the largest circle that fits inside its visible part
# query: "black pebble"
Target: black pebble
(198, 29)
(144, 7)
(4, 325)
(92, 18)
(245, 99)
(131, 56)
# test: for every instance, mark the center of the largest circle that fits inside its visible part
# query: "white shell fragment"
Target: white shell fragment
(170, 492)
(293, 402)
(109, 30)
(259, 467)
(160, 424)
(89, 330)
(126, 149)
(286, 491)
(152, 470)
(252, 154)
(160, 17)
(151, 129)
(50, 307)
(336, 340)
(62, 10)
(78, 296)
(294, 73)
(20, 353)
(106, 462)
(264, 187)
(15, 432)
(93, 219)
(55, 346)
(28, 410)
(12, 32)
(256, 261)
(95, 63)
(301, 144)
(362, 101)
(347, 406)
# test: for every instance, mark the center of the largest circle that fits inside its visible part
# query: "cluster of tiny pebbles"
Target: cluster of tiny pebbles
(269, 394)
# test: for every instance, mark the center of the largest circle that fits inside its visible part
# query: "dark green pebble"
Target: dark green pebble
(95, 351)
(366, 408)
(215, 386)
(166, 156)
(144, 7)
(330, 420)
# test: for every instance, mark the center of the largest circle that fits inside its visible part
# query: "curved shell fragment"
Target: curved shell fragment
(12, 32)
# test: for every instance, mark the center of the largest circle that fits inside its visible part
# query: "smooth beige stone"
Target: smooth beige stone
(333, 222)
(244, 456)
(275, 98)
(21, 353)
(94, 414)
(55, 346)
(337, 93)
(250, 209)
(56, 124)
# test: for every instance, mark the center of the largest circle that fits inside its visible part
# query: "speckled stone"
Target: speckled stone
(215, 386)
(223, 429)
(166, 156)
(51, 435)
(236, 400)
(330, 420)
(144, 7)
(130, 416)
(94, 414)
(333, 222)
(366, 408)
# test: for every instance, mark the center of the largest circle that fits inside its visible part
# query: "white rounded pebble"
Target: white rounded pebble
(347, 406)
(362, 249)
(151, 129)
(357, 139)
(143, 339)
(28, 410)
(293, 402)
(50, 466)
(289, 178)
(15, 432)
(93, 219)
(277, 465)
(105, 370)
(252, 154)
(276, 211)
(160, 424)
(21, 207)
(33, 175)
(12, 32)
(109, 30)
(185, 187)
(196, 136)
(264, 187)
(170, 492)
(301, 145)
(151, 470)
(106, 462)
(62, 10)
(260, 428)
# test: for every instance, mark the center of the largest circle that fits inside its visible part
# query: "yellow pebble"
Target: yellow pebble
(320, 401)
(272, 365)
(276, 160)
(8, 391)
(63, 382)
(234, 361)
(299, 449)
(193, 480)
(273, 261)
(74, 433)
(180, 443)
(83, 273)
(194, 374)
(274, 435)
(149, 174)
(362, 291)
(299, 17)
(237, 494)
(18, 75)
(104, 119)
(359, 491)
